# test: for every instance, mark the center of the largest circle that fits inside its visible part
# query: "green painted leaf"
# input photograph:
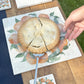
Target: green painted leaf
(56, 20)
(19, 44)
(53, 59)
(11, 31)
(51, 80)
(62, 37)
(52, 14)
(39, 80)
(33, 14)
(65, 47)
(13, 46)
(24, 59)
(57, 58)
(56, 53)
(16, 20)
(46, 78)
(3, 6)
(56, 17)
(20, 55)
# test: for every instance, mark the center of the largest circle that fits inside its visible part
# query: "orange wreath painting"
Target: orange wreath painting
(30, 58)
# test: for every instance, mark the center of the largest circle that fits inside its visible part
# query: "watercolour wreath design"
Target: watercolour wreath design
(45, 81)
(48, 79)
(4, 3)
(54, 56)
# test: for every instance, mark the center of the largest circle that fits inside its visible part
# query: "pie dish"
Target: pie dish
(38, 35)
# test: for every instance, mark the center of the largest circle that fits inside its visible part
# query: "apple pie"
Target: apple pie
(38, 35)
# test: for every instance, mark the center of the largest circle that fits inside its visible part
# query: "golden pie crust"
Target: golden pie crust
(38, 35)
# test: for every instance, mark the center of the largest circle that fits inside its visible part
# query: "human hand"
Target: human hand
(74, 25)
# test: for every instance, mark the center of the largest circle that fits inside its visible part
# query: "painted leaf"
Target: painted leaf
(52, 14)
(46, 78)
(11, 31)
(51, 80)
(58, 58)
(33, 14)
(56, 16)
(2, 5)
(39, 80)
(20, 55)
(55, 20)
(13, 46)
(65, 47)
(62, 37)
(56, 53)
(24, 59)
(53, 59)
(16, 20)
(19, 44)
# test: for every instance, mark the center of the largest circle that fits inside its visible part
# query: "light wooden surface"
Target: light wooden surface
(68, 72)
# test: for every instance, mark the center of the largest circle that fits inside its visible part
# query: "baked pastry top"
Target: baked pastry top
(38, 35)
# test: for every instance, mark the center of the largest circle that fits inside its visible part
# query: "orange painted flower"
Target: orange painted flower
(47, 80)
(7, 1)
(4, 5)
(13, 39)
(7, 4)
(50, 82)
(43, 59)
(42, 80)
(30, 59)
(17, 25)
(44, 16)
(25, 18)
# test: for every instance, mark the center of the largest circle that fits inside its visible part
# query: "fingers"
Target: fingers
(78, 33)
(73, 33)
(74, 30)
(68, 22)
(69, 31)
(80, 24)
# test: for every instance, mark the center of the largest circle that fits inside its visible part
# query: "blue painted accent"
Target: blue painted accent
(6, 72)
(35, 78)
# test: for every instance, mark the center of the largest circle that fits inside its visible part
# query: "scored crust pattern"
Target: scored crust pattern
(38, 35)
